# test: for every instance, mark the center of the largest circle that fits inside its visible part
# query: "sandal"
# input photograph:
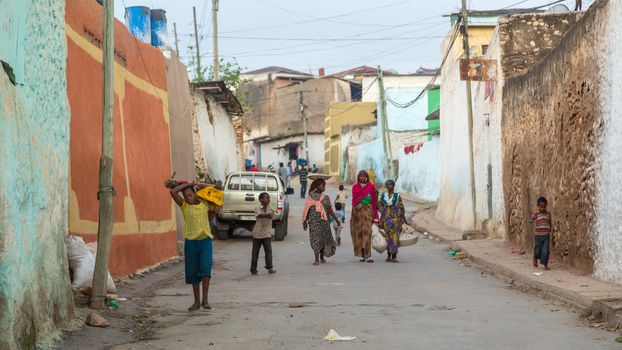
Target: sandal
(362, 260)
(316, 263)
(206, 305)
(370, 260)
(194, 307)
(323, 261)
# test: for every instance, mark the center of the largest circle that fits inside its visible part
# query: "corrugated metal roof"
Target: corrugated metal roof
(276, 69)
(222, 94)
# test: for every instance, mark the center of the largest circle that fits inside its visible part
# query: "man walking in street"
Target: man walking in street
(284, 175)
(303, 173)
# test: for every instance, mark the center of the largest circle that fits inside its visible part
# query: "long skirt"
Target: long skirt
(360, 229)
(320, 234)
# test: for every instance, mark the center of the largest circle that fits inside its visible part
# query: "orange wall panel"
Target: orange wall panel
(144, 231)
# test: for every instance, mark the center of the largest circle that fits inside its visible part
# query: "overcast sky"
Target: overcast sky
(335, 34)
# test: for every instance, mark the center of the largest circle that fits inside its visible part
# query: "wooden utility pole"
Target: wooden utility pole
(106, 191)
(467, 56)
(215, 38)
(196, 38)
(176, 40)
(304, 122)
(384, 126)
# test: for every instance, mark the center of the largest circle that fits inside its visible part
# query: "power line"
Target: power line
(433, 80)
(324, 18)
(320, 40)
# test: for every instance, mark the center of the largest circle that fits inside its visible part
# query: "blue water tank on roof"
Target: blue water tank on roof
(138, 21)
(159, 32)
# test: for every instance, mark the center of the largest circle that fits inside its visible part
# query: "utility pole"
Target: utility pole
(465, 43)
(384, 126)
(215, 38)
(176, 40)
(196, 38)
(304, 122)
(106, 191)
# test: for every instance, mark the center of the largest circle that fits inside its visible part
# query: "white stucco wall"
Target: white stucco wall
(272, 153)
(608, 257)
(454, 205)
(420, 172)
(370, 85)
(217, 138)
(487, 117)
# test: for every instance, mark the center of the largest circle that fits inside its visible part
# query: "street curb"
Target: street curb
(612, 315)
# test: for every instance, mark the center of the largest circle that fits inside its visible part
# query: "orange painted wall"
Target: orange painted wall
(144, 231)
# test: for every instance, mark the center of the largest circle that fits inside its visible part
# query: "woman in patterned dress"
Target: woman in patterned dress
(364, 215)
(391, 219)
(315, 217)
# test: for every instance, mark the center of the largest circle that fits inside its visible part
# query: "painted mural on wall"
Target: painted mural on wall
(144, 230)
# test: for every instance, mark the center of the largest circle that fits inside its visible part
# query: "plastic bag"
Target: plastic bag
(82, 264)
(408, 236)
(378, 242)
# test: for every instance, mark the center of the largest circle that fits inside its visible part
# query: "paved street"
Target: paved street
(428, 301)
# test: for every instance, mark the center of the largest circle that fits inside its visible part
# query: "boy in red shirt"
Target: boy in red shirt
(542, 234)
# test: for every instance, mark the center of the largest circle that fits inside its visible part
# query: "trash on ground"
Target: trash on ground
(296, 305)
(452, 253)
(538, 273)
(82, 264)
(334, 336)
(113, 304)
(619, 339)
(122, 299)
(461, 255)
(96, 320)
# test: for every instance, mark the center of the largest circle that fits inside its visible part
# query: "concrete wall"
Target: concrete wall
(217, 137)
(520, 41)
(342, 114)
(563, 144)
(454, 205)
(180, 130)
(35, 291)
(607, 231)
(273, 152)
(418, 172)
(144, 230)
(353, 143)
(275, 109)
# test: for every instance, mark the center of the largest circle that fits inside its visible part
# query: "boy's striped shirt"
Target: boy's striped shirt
(543, 222)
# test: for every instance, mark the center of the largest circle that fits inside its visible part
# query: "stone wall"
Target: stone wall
(520, 41)
(35, 291)
(552, 122)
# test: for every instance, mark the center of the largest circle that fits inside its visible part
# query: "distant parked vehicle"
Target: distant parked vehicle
(242, 191)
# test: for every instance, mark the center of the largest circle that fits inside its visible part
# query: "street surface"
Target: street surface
(427, 301)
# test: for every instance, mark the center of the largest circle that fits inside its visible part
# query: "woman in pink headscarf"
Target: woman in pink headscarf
(364, 215)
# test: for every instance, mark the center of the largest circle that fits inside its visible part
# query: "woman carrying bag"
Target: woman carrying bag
(364, 216)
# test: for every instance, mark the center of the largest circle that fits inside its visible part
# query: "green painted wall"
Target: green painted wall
(35, 291)
(434, 104)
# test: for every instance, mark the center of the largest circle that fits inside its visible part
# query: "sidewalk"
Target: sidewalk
(583, 292)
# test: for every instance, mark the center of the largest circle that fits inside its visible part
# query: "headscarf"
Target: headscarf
(359, 192)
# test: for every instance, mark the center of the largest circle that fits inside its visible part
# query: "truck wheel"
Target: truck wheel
(222, 235)
(280, 230)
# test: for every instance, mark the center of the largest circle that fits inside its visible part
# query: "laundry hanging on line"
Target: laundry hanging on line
(413, 148)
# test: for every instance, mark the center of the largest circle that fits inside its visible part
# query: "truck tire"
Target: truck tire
(222, 235)
(280, 230)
